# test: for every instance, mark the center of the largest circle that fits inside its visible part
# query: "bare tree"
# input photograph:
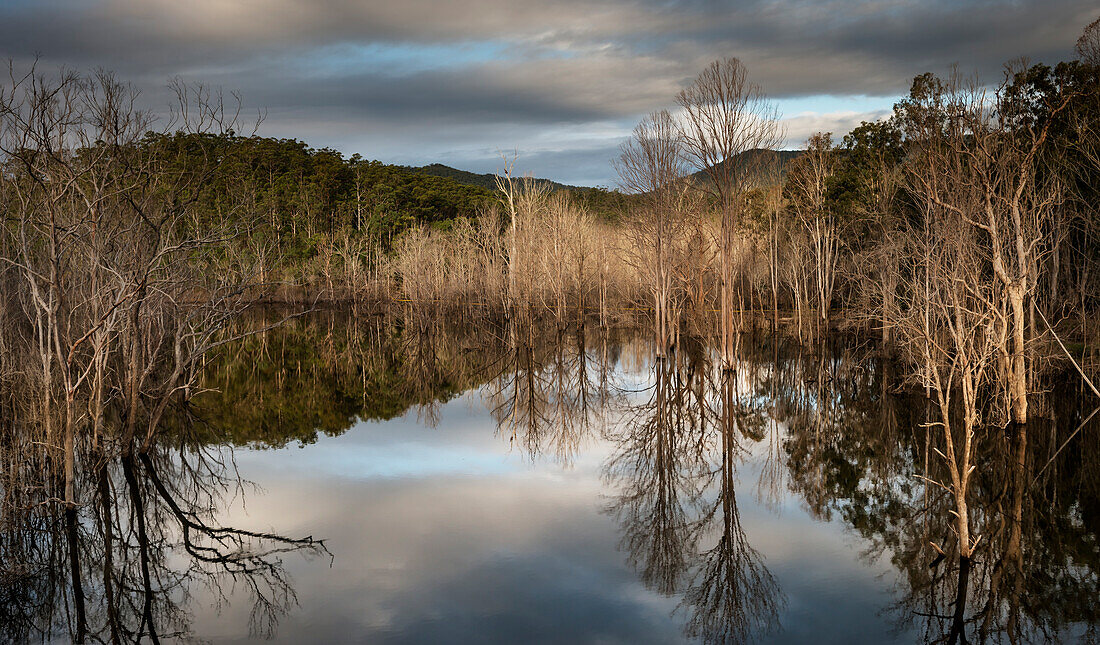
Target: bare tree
(959, 354)
(807, 185)
(980, 166)
(726, 119)
(113, 278)
(974, 260)
(651, 164)
(1088, 44)
(522, 199)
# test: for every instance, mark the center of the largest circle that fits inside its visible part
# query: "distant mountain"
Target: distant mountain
(606, 204)
(487, 180)
(757, 158)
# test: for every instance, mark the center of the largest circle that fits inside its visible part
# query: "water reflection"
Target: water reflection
(550, 392)
(122, 567)
(690, 458)
(675, 470)
(1035, 579)
(866, 455)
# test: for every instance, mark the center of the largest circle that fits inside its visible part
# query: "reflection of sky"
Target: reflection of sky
(402, 447)
(446, 534)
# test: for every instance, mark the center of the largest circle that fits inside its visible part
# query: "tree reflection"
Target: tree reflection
(831, 427)
(733, 596)
(318, 375)
(121, 567)
(675, 470)
(836, 428)
(1035, 577)
(860, 452)
(549, 391)
(659, 470)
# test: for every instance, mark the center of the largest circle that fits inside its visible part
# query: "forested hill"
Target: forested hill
(294, 195)
(606, 203)
(602, 202)
(298, 188)
(485, 180)
(757, 158)
(302, 192)
(296, 201)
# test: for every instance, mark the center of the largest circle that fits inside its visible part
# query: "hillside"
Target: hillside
(758, 159)
(605, 204)
(486, 180)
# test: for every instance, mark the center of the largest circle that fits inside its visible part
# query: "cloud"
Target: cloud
(451, 75)
(801, 126)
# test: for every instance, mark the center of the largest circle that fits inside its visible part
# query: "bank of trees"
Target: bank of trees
(962, 229)
(311, 223)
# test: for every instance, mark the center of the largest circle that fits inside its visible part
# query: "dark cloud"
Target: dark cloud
(452, 73)
(568, 91)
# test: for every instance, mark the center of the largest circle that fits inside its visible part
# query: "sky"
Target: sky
(560, 83)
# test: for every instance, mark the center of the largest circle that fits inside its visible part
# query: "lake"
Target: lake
(413, 479)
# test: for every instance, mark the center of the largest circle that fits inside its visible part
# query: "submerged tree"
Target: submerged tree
(980, 167)
(727, 122)
(807, 186)
(651, 164)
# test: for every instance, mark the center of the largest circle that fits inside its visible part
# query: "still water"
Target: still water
(407, 481)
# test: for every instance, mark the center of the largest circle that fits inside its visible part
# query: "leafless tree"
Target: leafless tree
(651, 165)
(978, 166)
(111, 271)
(807, 184)
(1088, 44)
(727, 118)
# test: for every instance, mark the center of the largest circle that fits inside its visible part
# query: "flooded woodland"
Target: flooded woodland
(847, 393)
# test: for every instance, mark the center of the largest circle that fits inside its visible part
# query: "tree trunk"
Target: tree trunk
(1018, 368)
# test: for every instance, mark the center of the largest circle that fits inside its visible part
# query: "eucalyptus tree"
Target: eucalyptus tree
(651, 164)
(727, 121)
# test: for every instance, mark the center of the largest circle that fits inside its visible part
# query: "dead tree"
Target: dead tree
(1088, 45)
(114, 278)
(978, 166)
(807, 185)
(727, 118)
(651, 165)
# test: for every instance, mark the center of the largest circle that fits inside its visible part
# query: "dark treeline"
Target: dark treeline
(297, 194)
